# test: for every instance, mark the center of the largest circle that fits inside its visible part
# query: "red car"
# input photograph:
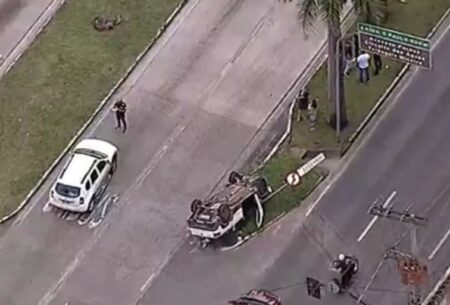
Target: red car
(257, 297)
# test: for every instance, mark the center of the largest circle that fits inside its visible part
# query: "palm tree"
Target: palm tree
(331, 11)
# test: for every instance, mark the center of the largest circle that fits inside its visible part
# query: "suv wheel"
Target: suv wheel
(195, 205)
(234, 177)
(262, 188)
(91, 205)
(113, 164)
(225, 213)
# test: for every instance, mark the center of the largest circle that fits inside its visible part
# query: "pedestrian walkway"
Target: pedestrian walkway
(20, 22)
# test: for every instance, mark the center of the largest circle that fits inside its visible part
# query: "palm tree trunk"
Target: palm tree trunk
(334, 33)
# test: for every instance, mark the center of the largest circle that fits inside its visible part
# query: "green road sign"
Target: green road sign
(396, 45)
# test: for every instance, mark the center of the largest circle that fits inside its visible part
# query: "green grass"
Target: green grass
(61, 79)
(360, 100)
(290, 197)
(416, 17)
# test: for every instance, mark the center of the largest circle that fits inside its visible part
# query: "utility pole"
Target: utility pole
(413, 271)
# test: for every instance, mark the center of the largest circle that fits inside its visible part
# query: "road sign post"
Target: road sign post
(295, 178)
(396, 45)
(313, 287)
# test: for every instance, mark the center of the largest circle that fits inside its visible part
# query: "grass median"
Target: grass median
(61, 79)
(275, 171)
(360, 100)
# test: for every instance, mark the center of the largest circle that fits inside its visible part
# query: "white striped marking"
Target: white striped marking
(439, 245)
(374, 219)
(147, 282)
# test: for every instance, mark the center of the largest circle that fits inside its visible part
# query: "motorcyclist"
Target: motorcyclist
(347, 267)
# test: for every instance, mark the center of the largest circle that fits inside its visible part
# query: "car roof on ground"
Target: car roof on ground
(77, 168)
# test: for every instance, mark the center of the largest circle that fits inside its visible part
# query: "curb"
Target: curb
(246, 238)
(375, 108)
(10, 59)
(318, 60)
(103, 103)
(389, 90)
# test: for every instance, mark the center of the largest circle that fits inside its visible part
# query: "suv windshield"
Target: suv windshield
(67, 190)
(90, 152)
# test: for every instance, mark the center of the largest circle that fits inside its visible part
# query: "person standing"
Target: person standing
(363, 63)
(302, 101)
(312, 110)
(377, 63)
(356, 43)
(120, 108)
(348, 55)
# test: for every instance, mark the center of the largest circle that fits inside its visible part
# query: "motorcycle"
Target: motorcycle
(347, 267)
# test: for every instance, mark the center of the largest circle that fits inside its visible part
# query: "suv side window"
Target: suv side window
(88, 185)
(101, 165)
(94, 176)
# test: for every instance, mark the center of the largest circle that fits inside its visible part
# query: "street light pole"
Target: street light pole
(338, 77)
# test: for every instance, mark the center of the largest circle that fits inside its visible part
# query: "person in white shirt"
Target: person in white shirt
(363, 63)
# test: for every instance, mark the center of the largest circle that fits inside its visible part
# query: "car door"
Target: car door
(95, 182)
(103, 172)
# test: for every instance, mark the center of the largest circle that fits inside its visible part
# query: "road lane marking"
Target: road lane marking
(439, 245)
(147, 282)
(375, 218)
(95, 223)
(159, 155)
(312, 206)
(51, 293)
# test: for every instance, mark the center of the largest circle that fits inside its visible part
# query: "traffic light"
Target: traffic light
(313, 287)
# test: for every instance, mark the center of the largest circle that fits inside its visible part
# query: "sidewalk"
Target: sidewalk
(20, 22)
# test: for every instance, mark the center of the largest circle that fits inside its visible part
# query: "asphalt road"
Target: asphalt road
(408, 152)
(16, 18)
(194, 103)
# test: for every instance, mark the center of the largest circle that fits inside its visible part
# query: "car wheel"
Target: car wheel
(234, 177)
(113, 164)
(91, 205)
(195, 205)
(262, 188)
(225, 213)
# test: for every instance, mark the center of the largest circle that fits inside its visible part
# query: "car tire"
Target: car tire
(262, 188)
(195, 205)
(113, 164)
(234, 177)
(225, 213)
(91, 205)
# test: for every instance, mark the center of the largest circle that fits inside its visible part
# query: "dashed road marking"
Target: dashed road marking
(375, 218)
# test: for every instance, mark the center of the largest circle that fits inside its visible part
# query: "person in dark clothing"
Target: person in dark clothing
(356, 43)
(302, 101)
(377, 63)
(312, 110)
(120, 108)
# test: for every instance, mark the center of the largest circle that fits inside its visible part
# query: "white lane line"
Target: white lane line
(147, 282)
(158, 156)
(375, 218)
(439, 245)
(51, 293)
(312, 206)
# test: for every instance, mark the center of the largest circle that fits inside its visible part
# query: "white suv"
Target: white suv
(85, 176)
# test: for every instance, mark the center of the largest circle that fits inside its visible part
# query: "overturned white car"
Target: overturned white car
(239, 200)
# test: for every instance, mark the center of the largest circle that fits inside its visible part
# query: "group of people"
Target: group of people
(307, 108)
(363, 60)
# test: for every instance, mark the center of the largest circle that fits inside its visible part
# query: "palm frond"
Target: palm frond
(308, 13)
(372, 11)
